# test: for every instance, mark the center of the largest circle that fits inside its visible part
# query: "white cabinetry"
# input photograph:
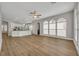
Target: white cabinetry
(20, 33)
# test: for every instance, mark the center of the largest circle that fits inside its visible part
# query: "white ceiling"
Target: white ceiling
(19, 12)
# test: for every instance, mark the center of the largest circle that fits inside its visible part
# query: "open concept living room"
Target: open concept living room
(39, 28)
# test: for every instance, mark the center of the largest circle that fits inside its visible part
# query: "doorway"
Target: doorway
(38, 30)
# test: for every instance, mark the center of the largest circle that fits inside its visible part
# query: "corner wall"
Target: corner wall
(76, 26)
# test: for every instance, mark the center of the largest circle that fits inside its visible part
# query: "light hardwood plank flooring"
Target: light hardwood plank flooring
(36, 46)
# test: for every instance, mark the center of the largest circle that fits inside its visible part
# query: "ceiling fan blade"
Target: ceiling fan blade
(38, 14)
(34, 12)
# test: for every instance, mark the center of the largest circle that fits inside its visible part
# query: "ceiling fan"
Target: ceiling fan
(35, 14)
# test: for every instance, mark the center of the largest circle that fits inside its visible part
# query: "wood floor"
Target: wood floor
(37, 46)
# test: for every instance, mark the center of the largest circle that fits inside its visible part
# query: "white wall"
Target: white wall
(75, 21)
(4, 26)
(76, 26)
(0, 35)
(35, 27)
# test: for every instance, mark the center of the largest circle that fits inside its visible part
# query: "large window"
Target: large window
(52, 27)
(45, 27)
(61, 27)
(55, 27)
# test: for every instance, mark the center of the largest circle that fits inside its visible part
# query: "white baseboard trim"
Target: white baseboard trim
(61, 37)
(77, 48)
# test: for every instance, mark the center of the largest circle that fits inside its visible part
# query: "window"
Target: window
(45, 27)
(55, 27)
(61, 27)
(52, 27)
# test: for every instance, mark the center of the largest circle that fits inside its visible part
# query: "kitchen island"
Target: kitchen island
(20, 33)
